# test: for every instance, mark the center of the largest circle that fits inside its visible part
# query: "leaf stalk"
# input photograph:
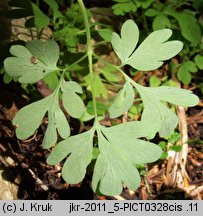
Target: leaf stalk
(89, 54)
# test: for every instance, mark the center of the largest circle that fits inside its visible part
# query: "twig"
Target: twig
(119, 197)
(176, 172)
(184, 138)
(38, 181)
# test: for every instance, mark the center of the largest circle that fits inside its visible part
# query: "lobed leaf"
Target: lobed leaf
(71, 86)
(124, 7)
(122, 101)
(79, 150)
(184, 71)
(55, 8)
(47, 52)
(26, 122)
(174, 95)
(111, 74)
(161, 21)
(124, 45)
(71, 101)
(190, 29)
(119, 152)
(32, 63)
(56, 122)
(152, 51)
(41, 20)
(199, 61)
(159, 117)
(105, 33)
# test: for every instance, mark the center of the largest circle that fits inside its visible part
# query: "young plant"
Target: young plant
(119, 147)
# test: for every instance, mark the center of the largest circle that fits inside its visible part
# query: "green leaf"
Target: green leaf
(175, 137)
(122, 101)
(27, 122)
(47, 52)
(73, 104)
(151, 12)
(68, 34)
(154, 50)
(146, 3)
(50, 136)
(199, 61)
(184, 71)
(156, 113)
(163, 145)
(41, 20)
(71, 101)
(170, 83)
(164, 155)
(86, 116)
(184, 76)
(125, 45)
(7, 79)
(101, 108)
(174, 95)
(71, 86)
(154, 81)
(158, 6)
(79, 150)
(55, 8)
(95, 153)
(161, 21)
(176, 148)
(124, 7)
(190, 29)
(111, 74)
(99, 88)
(51, 80)
(34, 62)
(119, 153)
(105, 34)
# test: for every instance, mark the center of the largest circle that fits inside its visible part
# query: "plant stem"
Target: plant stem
(89, 54)
(76, 62)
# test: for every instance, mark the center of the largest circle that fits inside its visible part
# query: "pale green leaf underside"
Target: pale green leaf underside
(71, 101)
(152, 51)
(73, 104)
(80, 148)
(56, 122)
(158, 116)
(111, 169)
(47, 52)
(122, 102)
(71, 86)
(125, 45)
(50, 136)
(29, 118)
(119, 152)
(31, 64)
